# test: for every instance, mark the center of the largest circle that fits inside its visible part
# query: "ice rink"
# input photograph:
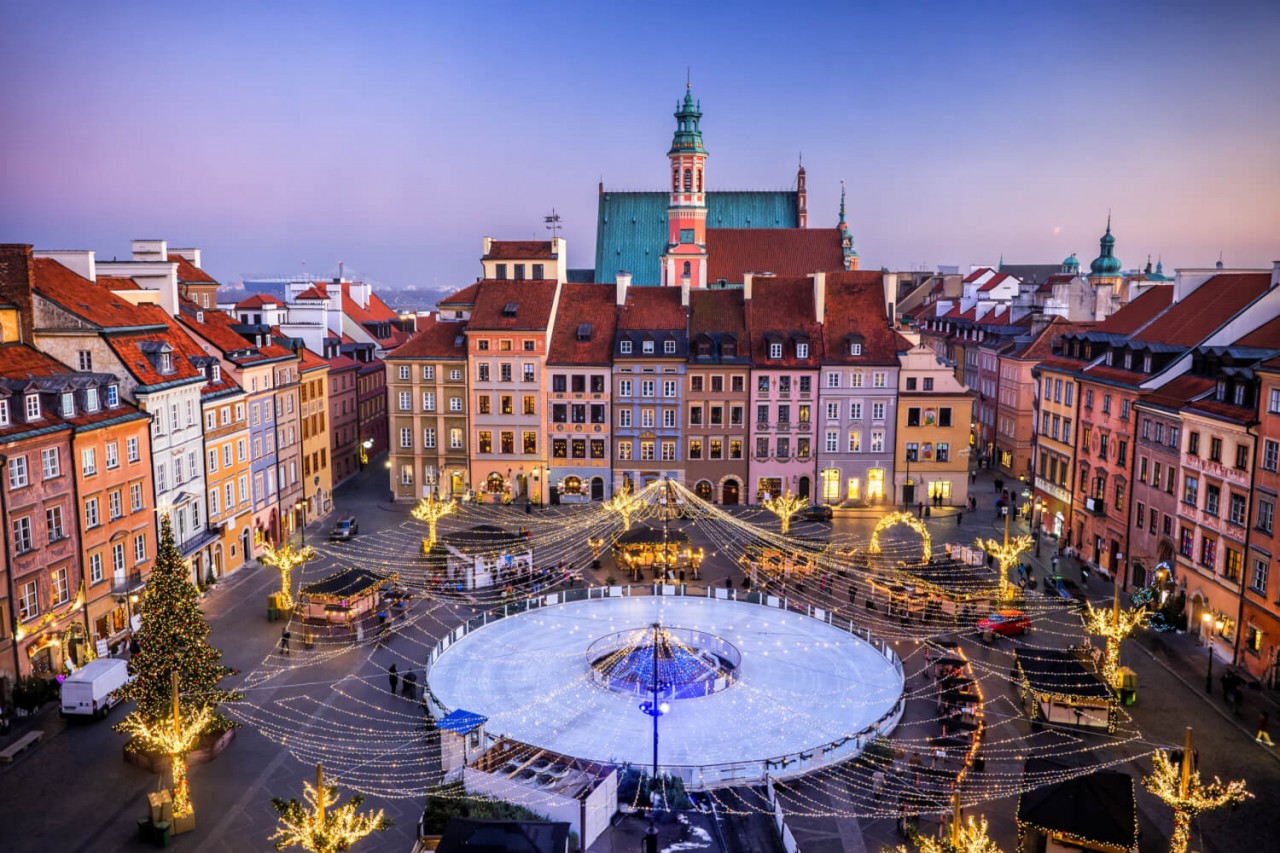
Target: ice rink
(804, 685)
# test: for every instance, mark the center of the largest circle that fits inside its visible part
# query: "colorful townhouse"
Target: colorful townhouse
(577, 395)
(506, 337)
(344, 419)
(784, 320)
(313, 400)
(718, 383)
(935, 412)
(650, 363)
(1259, 637)
(858, 390)
(429, 447)
(118, 326)
(288, 423)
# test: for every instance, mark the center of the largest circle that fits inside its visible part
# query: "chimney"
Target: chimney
(819, 297)
(488, 242)
(150, 250)
(623, 282)
(684, 291)
(17, 280)
(746, 286)
(79, 261)
(1275, 273)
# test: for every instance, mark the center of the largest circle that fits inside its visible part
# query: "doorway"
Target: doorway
(909, 492)
(729, 492)
(802, 487)
(597, 488)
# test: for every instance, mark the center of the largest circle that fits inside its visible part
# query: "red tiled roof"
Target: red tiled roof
(95, 305)
(977, 274)
(653, 308)
(310, 293)
(466, 296)
(1133, 316)
(1069, 365)
(189, 273)
(519, 250)
(1193, 318)
(258, 300)
(1175, 393)
(340, 363)
(186, 347)
(1041, 346)
(310, 361)
(995, 281)
(532, 299)
(718, 312)
(1266, 336)
(855, 306)
(20, 361)
(116, 282)
(434, 339)
(783, 307)
(1116, 374)
(375, 312)
(128, 348)
(594, 304)
(216, 328)
(734, 252)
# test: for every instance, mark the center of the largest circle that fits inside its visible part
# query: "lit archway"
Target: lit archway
(910, 521)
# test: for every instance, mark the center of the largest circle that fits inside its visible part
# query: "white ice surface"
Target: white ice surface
(803, 683)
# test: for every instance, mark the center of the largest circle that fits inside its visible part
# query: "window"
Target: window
(831, 443)
(1186, 542)
(668, 387)
(213, 502)
(735, 415)
(406, 437)
(1235, 511)
(668, 347)
(668, 418)
(53, 523)
(877, 441)
(428, 401)
(17, 472)
(624, 388)
(406, 401)
(1208, 552)
(530, 443)
(624, 418)
(29, 601)
(117, 553)
(775, 350)
(1193, 444)
(646, 417)
(878, 379)
(877, 411)
(484, 444)
(646, 451)
(1140, 515)
(928, 383)
(624, 450)
(455, 404)
(95, 568)
(59, 587)
(833, 380)
(527, 372)
(135, 497)
(1119, 496)
(646, 388)
(624, 346)
(855, 411)
(695, 449)
(482, 373)
(1270, 454)
(855, 441)
(1242, 457)
(455, 438)
(33, 407)
(22, 535)
(429, 438)
(1215, 449)
(1258, 579)
(802, 350)
(1190, 491)
(646, 347)
(4, 412)
(855, 379)
(113, 396)
(50, 462)
(944, 451)
(404, 371)
(504, 371)
(695, 415)
(1234, 563)
(913, 452)
(506, 404)
(1088, 398)
(139, 548)
(428, 372)
(855, 349)
(944, 416)
(115, 504)
(1106, 404)
(1068, 393)
(1122, 453)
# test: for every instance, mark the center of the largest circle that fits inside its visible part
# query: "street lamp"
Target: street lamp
(1209, 626)
(907, 482)
(301, 509)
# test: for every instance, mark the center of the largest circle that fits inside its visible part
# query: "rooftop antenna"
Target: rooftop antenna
(553, 223)
(688, 77)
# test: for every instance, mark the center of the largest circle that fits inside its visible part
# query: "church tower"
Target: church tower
(685, 261)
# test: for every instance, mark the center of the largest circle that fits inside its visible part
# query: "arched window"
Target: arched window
(699, 180)
(688, 180)
(688, 269)
(675, 179)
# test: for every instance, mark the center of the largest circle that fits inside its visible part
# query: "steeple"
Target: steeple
(688, 136)
(802, 197)
(844, 226)
(684, 263)
(846, 237)
(1106, 264)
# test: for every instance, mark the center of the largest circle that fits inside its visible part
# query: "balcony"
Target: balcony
(127, 583)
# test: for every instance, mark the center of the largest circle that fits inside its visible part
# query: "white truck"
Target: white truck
(92, 690)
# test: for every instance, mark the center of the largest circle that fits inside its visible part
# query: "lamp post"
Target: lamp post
(300, 508)
(905, 504)
(1208, 641)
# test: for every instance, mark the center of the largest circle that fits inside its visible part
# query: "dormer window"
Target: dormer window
(519, 271)
(728, 347)
(1128, 361)
(113, 396)
(704, 348)
(33, 407)
(199, 316)
(215, 372)
(1146, 363)
(775, 350)
(1107, 358)
(4, 412)
(166, 362)
(802, 350)
(1221, 392)
(668, 347)
(68, 404)
(855, 349)
(624, 347)
(584, 331)
(1238, 396)
(647, 347)
(91, 400)
(510, 309)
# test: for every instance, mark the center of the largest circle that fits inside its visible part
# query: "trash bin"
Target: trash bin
(162, 833)
(144, 828)
(1128, 685)
(272, 614)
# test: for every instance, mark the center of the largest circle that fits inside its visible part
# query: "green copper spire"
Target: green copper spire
(1106, 264)
(688, 137)
(842, 222)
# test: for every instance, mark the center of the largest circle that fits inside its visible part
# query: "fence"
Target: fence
(780, 820)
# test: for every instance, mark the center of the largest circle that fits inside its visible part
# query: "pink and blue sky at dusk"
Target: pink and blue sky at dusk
(394, 135)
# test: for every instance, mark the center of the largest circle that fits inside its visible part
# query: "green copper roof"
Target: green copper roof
(631, 228)
(688, 137)
(1106, 263)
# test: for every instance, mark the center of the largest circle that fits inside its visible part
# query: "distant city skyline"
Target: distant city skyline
(396, 136)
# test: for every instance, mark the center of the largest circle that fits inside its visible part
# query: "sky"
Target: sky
(284, 137)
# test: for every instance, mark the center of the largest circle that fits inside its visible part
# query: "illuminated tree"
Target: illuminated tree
(175, 738)
(431, 509)
(785, 506)
(972, 838)
(318, 827)
(1187, 795)
(285, 559)
(624, 504)
(1116, 625)
(1006, 555)
(172, 638)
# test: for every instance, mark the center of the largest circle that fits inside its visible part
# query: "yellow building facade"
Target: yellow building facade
(934, 424)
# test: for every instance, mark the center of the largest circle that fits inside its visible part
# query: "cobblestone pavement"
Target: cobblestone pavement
(73, 793)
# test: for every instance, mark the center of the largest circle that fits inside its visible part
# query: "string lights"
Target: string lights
(909, 520)
(785, 506)
(315, 825)
(285, 559)
(623, 504)
(1182, 790)
(175, 738)
(431, 509)
(970, 837)
(1115, 624)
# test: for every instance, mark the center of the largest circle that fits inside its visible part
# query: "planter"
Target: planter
(211, 746)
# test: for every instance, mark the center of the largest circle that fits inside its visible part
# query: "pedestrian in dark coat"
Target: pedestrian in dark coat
(284, 641)
(1263, 736)
(410, 686)
(959, 518)
(393, 677)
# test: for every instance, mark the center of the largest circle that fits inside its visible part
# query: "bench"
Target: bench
(10, 752)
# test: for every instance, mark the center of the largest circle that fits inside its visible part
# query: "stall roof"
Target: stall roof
(1098, 807)
(461, 722)
(468, 835)
(1061, 673)
(347, 583)
(486, 539)
(645, 535)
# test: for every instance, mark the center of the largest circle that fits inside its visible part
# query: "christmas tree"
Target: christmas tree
(172, 638)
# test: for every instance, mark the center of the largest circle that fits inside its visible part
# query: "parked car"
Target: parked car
(817, 512)
(1006, 622)
(345, 528)
(92, 690)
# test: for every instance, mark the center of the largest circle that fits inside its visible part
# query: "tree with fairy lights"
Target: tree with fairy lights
(431, 509)
(1115, 624)
(316, 826)
(1184, 792)
(1006, 554)
(785, 506)
(969, 838)
(623, 504)
(172, 638)
(285, 559)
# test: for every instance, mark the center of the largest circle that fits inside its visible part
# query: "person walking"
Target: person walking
(284, 641)
(959, 518)
(393, 678)
(409, 685)
(1263, 737)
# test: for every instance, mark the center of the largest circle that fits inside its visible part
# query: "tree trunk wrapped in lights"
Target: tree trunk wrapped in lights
(172, 638)
(1115, 625)
(431, 509)
(285, 559)
(624, 504)
(318, 827)
(1182, 791)
(1006, 555)
(785, 506)
(175, 738)
(967, 838)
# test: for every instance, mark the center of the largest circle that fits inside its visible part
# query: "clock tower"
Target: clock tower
(685, 261)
